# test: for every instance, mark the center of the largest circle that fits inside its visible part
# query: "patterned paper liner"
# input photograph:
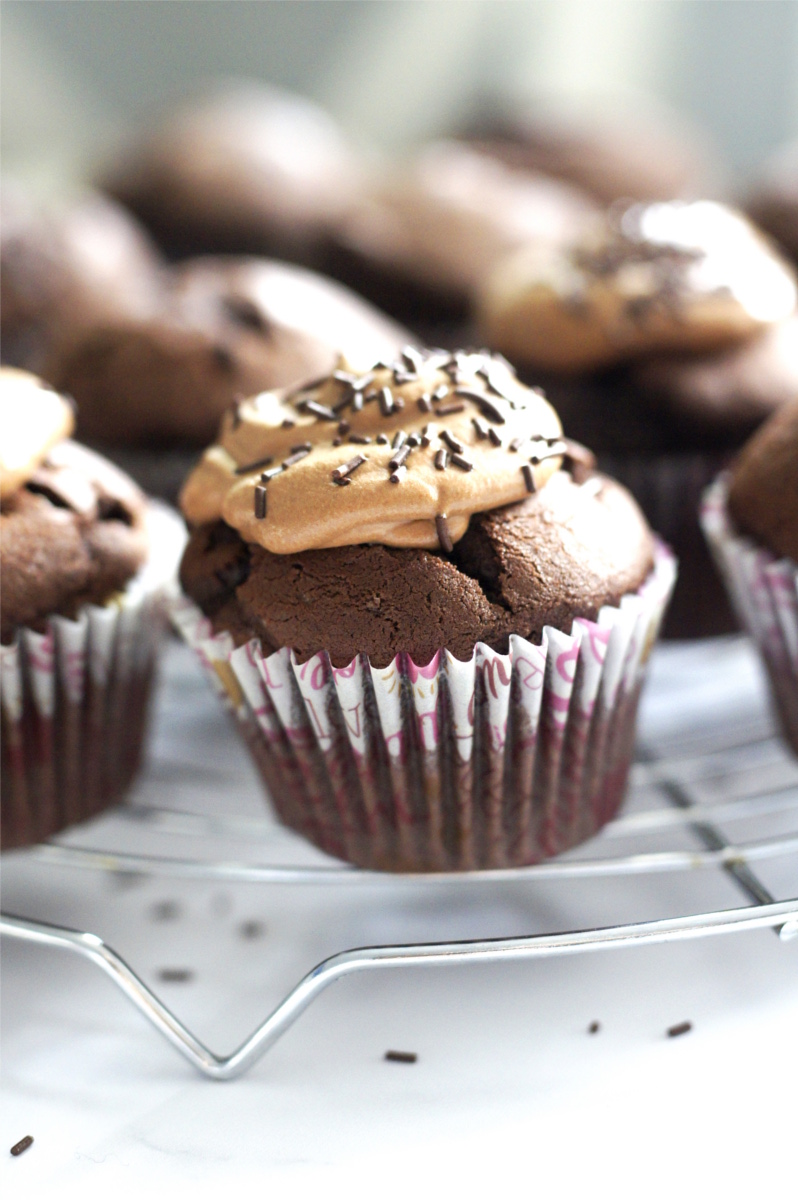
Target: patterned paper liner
(764, 591)
(498, 761)
(74, 698)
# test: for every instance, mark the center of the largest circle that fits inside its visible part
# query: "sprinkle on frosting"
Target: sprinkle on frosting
(320, 496)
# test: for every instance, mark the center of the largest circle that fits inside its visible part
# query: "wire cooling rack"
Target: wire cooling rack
(706, 788)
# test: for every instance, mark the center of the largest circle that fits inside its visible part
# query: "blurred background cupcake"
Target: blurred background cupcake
(86, 565)
(750, 517)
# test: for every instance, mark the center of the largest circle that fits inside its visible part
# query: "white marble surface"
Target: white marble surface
(509, 1088)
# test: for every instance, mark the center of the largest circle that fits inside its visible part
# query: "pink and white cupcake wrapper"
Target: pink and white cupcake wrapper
(764, 591)
(73, 698)
(498, 761)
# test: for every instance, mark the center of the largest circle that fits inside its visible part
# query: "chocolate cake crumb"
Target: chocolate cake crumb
(25, 1143)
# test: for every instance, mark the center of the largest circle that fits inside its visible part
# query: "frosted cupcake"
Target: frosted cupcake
(431, 615)
(85, 564)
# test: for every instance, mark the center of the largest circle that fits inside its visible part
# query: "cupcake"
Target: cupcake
(64, 268)
(422, 236)
(609, 156)
(151, 392)
(664, 334)
(85, 566)
(429, 613)
(750, 517)
(246, 169)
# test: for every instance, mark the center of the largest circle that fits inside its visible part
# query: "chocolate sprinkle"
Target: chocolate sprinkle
(444, 536)
(340, 474)
(451, 441)
(338, 441)
(464, 464)
(480, 427)
(516, 444)
(267, 475)
(398, 475)
(288, 423)
(25, 1143)
(399, 458)
(412, 359)
(386, 401)
(454, 406)
(319, 410)
(401, 1056)
(344, 427)
(494, 437)
(594, 1027)
(441, 392)
(413, 441)
(260, 502)
(254, 466)
(382, 439)
(306, 446)
(357, 402)
(296, 457)
(442, 459)
(529, 478)
(678, 1030)
(486, 405)
(175, 975)
(399, 439)
(360, 439)
(424, 403)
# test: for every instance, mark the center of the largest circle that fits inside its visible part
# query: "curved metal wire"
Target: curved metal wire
(783, 916)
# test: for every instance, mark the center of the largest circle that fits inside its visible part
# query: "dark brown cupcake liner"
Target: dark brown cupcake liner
(75, 699)
(764, 591)
(500, 761)
(669, 487)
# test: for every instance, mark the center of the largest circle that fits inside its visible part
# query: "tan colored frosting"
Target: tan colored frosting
(665, 276)
(305, 508)
(32, 420)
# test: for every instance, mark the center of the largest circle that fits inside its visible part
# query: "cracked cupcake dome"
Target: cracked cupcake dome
(672, 277)
(429, 502)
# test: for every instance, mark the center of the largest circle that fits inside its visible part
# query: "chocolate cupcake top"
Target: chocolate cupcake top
(72, 527)
(403, 454)
(729, 392)
(246, 169)
(658, 277)
(64, 268)
(446, 217)
(228, 327)
(763, 493)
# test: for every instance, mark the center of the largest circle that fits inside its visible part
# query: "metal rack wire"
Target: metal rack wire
(769, 789)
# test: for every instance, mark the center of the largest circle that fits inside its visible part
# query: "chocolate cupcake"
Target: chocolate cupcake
(85, 565)
(248, 169)
(750, 517)
(151, 392)
(664, 335)
(422, 236)
(428, 611)
(66, 268)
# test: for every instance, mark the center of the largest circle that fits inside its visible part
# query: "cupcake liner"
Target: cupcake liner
(498, 761)
(73, 699)
(764, 591)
